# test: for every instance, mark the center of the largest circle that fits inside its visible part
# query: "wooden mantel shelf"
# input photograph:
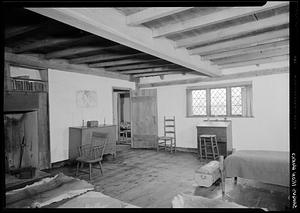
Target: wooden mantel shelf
(85, 127)
(213, 124)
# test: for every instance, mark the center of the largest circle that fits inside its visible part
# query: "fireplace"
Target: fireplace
(26, 130)
(21, 140)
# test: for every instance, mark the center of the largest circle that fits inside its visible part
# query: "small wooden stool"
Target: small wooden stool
(208, 141)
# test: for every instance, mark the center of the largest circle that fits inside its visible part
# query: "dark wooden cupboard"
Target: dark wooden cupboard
(223, 131)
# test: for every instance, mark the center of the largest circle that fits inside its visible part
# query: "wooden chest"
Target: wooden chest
(208, 174)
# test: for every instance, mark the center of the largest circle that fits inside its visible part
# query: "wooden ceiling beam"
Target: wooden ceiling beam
(61, 65)
(78, 50)
(261, 42)
(256, 62)
(248, 74)
(159, 69)
(123, 62)
(10, 33)
(50, 42)
(103, 57)
(155, 74)
(236, 43)
(138, 66)
(38, 44)
(252, 56)
(213, 18)
(234, 31)
(153, 13)
(252, 49)
(110, 24)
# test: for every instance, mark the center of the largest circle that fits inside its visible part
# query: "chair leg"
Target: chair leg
(101, 167)
(77, 169)
(205, 148)
(174, 146)
(218, 154)
(200, 148)
(212, 147)
(165, 145)
(90, 173)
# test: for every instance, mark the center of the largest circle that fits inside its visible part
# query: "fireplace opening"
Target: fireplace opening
(21, 143)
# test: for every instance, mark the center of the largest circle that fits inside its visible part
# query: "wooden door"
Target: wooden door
(144, 118)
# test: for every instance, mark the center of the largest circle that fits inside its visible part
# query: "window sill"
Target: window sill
(220, 118)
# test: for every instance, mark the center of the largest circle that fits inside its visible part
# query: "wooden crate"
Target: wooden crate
(206, 176)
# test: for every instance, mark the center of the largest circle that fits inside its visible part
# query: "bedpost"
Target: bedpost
(221, 159)
(235, 178)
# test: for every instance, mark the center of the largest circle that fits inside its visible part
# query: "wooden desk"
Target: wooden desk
(82, 135)
(223, 131)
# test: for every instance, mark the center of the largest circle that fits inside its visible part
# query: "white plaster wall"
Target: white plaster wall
(64, 113)
(268, 130)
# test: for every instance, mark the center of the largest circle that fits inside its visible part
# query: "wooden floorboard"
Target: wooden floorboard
(147, 178)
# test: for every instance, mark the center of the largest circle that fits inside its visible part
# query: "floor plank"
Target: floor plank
(147, 178)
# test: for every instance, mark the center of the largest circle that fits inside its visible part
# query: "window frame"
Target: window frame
(208, 88)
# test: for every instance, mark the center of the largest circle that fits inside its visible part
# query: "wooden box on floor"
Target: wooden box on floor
(208, 174)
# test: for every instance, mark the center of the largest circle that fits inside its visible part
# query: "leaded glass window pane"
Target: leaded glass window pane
(218, 101)
(236, 101)
(199, 102)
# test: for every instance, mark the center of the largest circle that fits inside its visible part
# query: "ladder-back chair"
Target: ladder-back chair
(168, 141)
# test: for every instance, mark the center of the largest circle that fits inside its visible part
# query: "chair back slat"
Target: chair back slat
(97, 151)
(85, 150)
(169, 127)
(168, 141)
(99, 141)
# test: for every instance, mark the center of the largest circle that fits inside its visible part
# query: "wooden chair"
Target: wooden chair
(92, 153)
(168, 141)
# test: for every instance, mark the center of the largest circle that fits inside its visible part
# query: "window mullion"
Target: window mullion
(208, 111)
(244, 100)
(228, 101)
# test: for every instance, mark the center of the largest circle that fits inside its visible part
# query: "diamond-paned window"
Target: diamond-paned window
(236, 101)
(218, 101)
(199, 102)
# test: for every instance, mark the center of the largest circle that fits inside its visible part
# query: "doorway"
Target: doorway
(122, 114)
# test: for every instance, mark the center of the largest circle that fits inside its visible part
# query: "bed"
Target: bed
(264, 166)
